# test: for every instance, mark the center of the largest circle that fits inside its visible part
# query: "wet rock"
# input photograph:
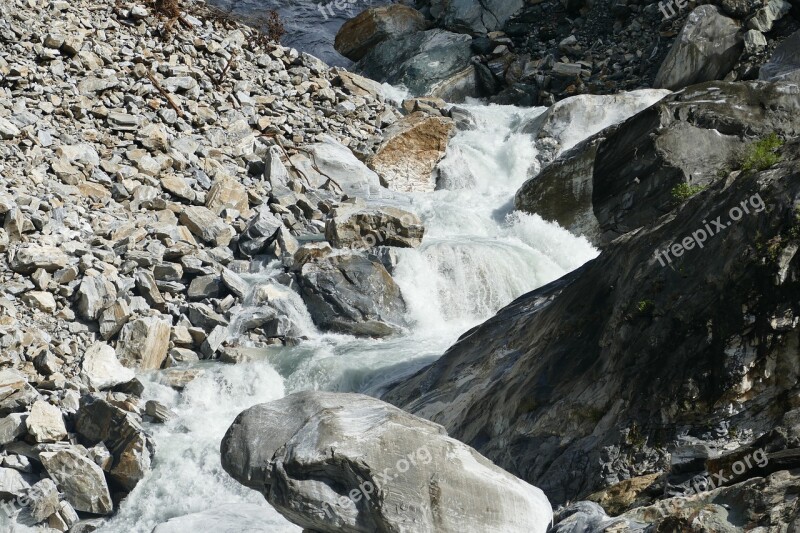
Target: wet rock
(365, 228)
(706, 49)
(158, 411)
(410, 151)
(253, 518)
(784, 65)
(426, 63)
(45, 423)
(374, 25)
(143, 343)
(430, 480)
(80, 480)
(352, 294)
(101, 367)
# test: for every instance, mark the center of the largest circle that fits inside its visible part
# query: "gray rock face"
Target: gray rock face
(360, 34)
(623, 177)
(143, 343)
(352, 294)
(425, 62)
(624, 355)
(332, 166)
(468, 16)
(706, 49)
(260, 231)
(340, 463)
(366, 228)
(784, 65)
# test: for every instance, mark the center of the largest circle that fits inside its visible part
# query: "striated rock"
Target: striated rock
(374, 25)
(80, 480)
(41, 300)
(706, 49)
(11, 427)
(366, 228)
(29, 257)
(410, 150)
(202, 222)
(12, 484)
(424, 480)
(227, 193)
(94, 295)
(102, 368)
(352, 294)
(113, 318)
(591, 370)
(428, 63)
(43, 498)
(331, 165)
(784, 65)
(765, 17)
(45, 423)
(131, 447)
(143, 343)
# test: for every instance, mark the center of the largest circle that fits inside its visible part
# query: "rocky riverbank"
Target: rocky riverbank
(153, 163)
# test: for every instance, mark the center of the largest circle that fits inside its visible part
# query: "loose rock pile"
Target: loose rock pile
(141, 170)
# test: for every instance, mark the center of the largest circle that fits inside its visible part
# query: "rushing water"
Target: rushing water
(477, 256)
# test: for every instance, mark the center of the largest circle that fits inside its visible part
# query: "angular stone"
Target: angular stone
(366, 228)
(46, 423)
(410, 151)
(235, 283)
(210, 286)
(227, 193)
(376, 24)
(102, 368)
(41, 300)
(43, 500)
(205, 224)
(148, 289)
(113, 318)
(7, 129)
(143, 343)
(12, 484)
(94, 295)
(11, 427)
(29, 257)
(80, 480)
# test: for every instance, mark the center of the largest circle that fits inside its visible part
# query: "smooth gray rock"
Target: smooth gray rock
(352, 294)
(259, 232)
(706, 49)
(424, 62)
(360, 34)
(342, 463)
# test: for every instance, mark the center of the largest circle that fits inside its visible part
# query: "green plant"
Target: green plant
(645, 305)
(760, 155)
(684, 191)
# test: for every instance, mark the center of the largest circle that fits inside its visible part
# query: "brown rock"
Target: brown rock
(358, 35)
(143, 343)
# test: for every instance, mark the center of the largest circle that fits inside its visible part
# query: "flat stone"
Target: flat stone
(80, 480)
(46, 423)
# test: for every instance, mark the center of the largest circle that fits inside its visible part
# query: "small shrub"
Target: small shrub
(645, 305)
(684, 191)
(761, 155)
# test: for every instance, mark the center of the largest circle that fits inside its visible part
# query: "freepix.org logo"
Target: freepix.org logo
(350, 8)
(710, 229)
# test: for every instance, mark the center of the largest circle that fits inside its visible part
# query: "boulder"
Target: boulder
(203, 223)
(706, 49)
(12, 484)
(143, 343)
(330, 165)
(410, 150)
(16, 394)
(428, 63)
(45, 423)
(260, 231)
(230, 518)
(101, 367)
(765, 17)
(624, 176)
(227, 193)
(42, 300)
(94, 295)
(44, 501)
(352, 294)
(366, 228)
(122, 434)
(467, 16)
(80, 480)
(570, 121)
(389, 471)
(11, 427)
(376, 24)
(29, 257)
(784, 65)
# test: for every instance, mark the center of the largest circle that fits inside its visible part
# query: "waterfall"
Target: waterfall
(477, 256)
